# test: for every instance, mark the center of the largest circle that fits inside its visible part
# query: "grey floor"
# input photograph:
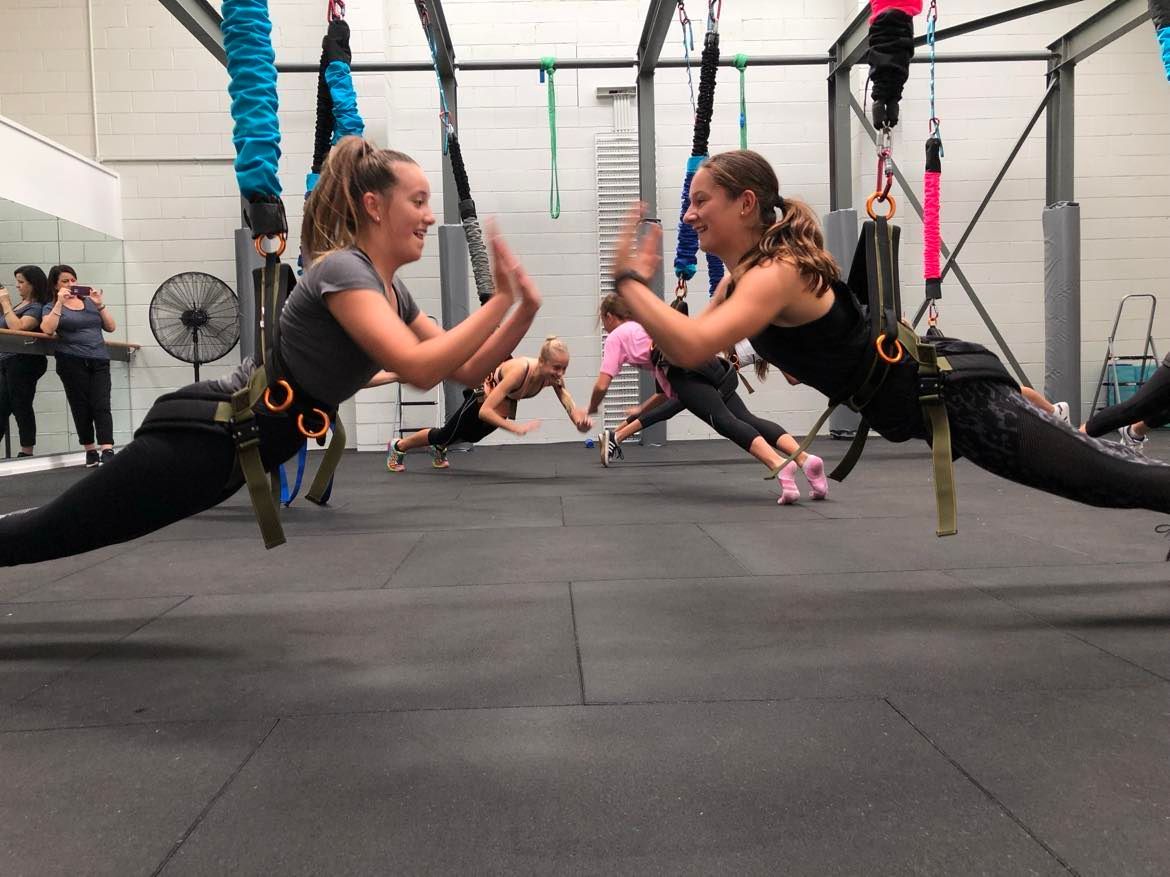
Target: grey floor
(530, 664)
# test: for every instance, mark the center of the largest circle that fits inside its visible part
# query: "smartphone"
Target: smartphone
(80, 291)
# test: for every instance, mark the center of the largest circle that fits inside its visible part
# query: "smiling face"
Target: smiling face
(554, 367)
(400, 217)
(719, 219)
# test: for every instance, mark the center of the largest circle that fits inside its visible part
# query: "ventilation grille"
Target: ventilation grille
(617, 190)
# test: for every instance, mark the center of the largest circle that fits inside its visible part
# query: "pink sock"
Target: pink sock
(814, 471)
(789, 492)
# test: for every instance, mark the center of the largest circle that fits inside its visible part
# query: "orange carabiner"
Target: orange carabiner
(897, 357)
(306, 432)
(878, 196)
(282, 242)
(288, 399)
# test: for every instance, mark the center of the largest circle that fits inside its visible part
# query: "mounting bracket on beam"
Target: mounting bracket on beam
(1099, 30)
(203, 21)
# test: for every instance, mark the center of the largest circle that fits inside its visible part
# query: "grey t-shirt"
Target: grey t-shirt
(79, 333)
(25, 309)
(316, 350)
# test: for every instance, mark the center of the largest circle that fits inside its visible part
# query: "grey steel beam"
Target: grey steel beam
(1099, 30)
(1059, 171)
(908, 194)
(677, 63)
(987, 21)
(853, 43)
(648, 192)
(444, 51)
(203, 21)
(658, 20)
(840, 141)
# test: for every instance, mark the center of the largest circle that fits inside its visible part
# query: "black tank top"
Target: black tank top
(832, 355)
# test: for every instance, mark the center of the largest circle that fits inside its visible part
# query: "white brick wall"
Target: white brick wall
(162, 120)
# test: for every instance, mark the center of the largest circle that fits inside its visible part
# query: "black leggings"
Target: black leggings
(87, 389)
(18, 385)
(709, 392)
(464, 425)
(994, 427)
(158, 479)
(1151, 404)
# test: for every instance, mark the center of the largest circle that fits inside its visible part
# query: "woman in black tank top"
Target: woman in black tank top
(492, 406)
(784, 293)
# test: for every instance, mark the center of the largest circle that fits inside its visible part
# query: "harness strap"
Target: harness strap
(245, 430)
(322, 484)
(931, 368)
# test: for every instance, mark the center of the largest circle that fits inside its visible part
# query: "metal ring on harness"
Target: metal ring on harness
(281, 243)
(288, 399)
(880, 196)
(892, 359)
(307, 433)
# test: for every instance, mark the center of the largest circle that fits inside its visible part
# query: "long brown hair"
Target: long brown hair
(333, 213)
(791, 232)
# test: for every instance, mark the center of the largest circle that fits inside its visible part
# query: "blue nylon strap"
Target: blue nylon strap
(714, 272)
(287, 496)
(346, 118)
(247, 38)
(1164, 41)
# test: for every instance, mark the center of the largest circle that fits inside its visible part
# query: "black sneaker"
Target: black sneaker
(107, 456)
(92, 459)
(610, 449)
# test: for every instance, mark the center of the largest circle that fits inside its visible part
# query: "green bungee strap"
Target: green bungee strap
(548, 67)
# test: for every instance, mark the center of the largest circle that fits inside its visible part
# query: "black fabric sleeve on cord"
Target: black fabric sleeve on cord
(891, 46)
(705, 108)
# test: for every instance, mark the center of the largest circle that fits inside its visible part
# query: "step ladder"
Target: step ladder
(1140, 367)
(414, 402)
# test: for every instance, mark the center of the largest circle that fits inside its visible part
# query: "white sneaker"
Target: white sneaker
(1133, 442)
(1060, 409)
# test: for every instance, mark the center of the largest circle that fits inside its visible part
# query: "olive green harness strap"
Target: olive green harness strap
(241, 420)
(328, 465)
(930, 369)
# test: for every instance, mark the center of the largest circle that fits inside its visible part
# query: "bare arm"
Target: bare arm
(369, 319)
(513, 376)
(599, 390)
(580, 418)
(760, 297)
(381, 379)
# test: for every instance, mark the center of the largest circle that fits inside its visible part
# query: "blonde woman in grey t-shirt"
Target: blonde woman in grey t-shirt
(345, 324)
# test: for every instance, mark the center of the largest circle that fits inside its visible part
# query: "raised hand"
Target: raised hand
(639, 256)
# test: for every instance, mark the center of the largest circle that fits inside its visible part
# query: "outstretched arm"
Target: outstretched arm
(580, 417)
(599, 390)
(689, 342)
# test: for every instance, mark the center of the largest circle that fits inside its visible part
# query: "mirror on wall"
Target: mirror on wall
(31, 238)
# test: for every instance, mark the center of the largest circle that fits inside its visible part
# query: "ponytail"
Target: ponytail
(333, 213)
(791, 231)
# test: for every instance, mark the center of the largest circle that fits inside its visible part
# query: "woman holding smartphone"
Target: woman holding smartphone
(19, 372)
(77, 318)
